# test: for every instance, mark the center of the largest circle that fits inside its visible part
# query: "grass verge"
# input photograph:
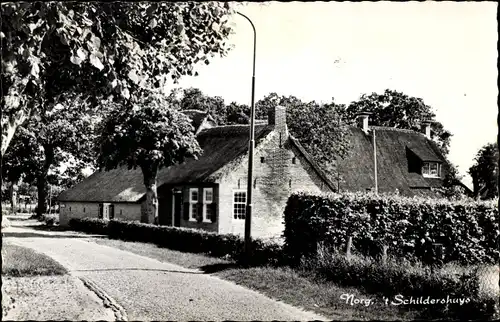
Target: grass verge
(19, 261)
(282, 283)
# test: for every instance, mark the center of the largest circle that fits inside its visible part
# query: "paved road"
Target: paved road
(141, 288)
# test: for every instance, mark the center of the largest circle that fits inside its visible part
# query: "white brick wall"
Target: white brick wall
(275, 180)
(123, 211)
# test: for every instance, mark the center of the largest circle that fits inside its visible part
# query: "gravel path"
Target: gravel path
(65, 298)
(148, 289)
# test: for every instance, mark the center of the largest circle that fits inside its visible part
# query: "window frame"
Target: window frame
(235, 216)
(427, 170)
(206, 203)
(193, 202)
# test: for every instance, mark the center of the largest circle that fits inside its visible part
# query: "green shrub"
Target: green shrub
(469, 231)
(50, 219)
(90, 225)
(401, 277)
(184, 239)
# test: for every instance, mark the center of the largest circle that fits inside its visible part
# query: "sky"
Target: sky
(442, 52)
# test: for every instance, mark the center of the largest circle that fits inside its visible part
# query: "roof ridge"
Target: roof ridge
(396, 129)
(233, 126)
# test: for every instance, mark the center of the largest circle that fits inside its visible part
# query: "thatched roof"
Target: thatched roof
(220, 146)
(397, 150)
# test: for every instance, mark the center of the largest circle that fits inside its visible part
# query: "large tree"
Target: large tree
(52, 50)
(396, 109)
(53, 147)
(194, 98)
(484, 172)
(149, 134)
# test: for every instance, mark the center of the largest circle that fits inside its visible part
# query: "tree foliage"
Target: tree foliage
(50, 49)
(148, 134)
(484, 172)
(53, 149)
(396, 109)
(320, 128)
(193, 98)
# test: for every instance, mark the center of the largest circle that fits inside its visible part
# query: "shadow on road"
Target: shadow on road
(36, 235)
(49, 228)
(135, 269)
(15, 218)
(214, 268)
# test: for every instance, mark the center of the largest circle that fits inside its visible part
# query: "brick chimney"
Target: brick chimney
(277, 117)
(426, 129)
(363, 119)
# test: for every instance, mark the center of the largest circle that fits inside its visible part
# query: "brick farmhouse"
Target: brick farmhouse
(210, 193)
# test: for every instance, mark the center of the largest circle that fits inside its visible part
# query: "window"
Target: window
(239, 204)
(208, 199)
(83, 209)
(262, 159)
(111, 211)
(431, 170)
(294, 160)
(193, 204)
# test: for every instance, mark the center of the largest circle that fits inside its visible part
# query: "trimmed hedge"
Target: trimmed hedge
(90, 225)
(469, 231)
(184, 239)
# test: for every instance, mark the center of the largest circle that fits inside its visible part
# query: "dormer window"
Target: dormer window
(431, 170)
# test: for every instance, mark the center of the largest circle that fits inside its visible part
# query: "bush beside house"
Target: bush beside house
(183, 239)
(409, 227)
(317, 225)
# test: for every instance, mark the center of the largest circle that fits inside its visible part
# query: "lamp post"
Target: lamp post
(248, 212)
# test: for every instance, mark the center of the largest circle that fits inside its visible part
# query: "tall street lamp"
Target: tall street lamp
(248, 213)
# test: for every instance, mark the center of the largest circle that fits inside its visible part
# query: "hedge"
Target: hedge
(184, 239)
(469, 231)
(406, 279)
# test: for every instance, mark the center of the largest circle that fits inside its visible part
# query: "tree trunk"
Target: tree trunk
(41, 183)
(13, 197)
(149, 212)
(42, 196)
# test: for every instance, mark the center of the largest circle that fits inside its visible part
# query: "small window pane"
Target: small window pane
(194, 210)
(194, 194)
(240, 197)
(239, 205)
(209, 195)
(434, 169)
(209, 214)
(425, 168)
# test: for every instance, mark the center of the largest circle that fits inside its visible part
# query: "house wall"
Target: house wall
(127, 211)
(165, 209)
(123, 211)
(274, 180)
(208, 226)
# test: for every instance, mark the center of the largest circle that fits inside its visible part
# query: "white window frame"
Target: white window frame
(206, 203)
(426, 170)
(192, 202)
(234, 203)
